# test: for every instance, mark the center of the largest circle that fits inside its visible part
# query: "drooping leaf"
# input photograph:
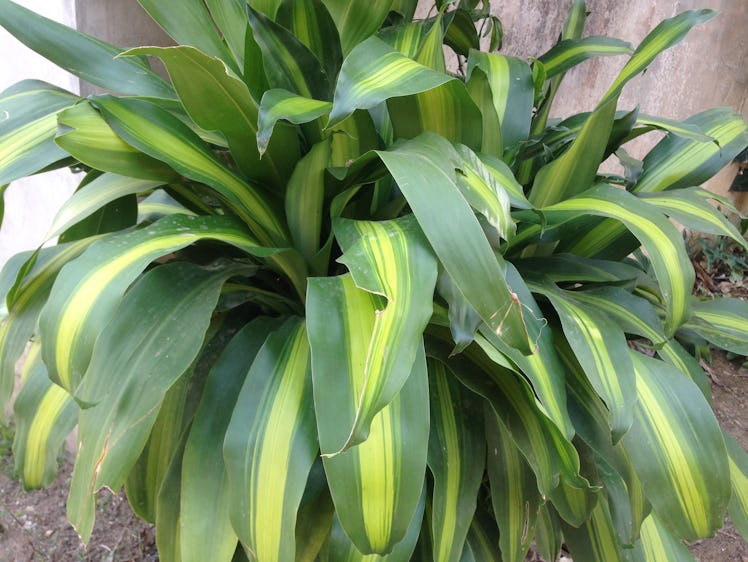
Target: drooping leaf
(568, 53)
(270, 444)
(279, 104)
(87, 292)
(677, 449)
(218, 101)
(663, 241)
(82, 55)
(45, 415)
(595, 540)
(456, 458)
(455, 234)
(149, 343)
(548, 536)
(722, 322)
(29, 122)
(514, 492)
(657, 543)
(161, 135)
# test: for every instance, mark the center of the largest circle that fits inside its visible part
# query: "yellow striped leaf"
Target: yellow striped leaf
(659, 237)
(280, 104)
(393, 260)
(45, 415)
(677, 450)
(456, 458)
(28, 124)
(87, 292)
(514, 491)
(595, 540)
(570, 52)
(270, 445)
(739, 480)
(722, 322)
(354, 24)
(658, 543)
(149, 343)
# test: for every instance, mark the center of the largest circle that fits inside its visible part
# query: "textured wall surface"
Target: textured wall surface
(30, 204)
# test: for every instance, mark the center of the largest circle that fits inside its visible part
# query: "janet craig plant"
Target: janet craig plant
(318, 298)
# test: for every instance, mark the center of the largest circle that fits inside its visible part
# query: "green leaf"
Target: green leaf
(482, 541)
(375, 72)
(289, 64)
(677, 450)
(691, 208)
(595, 540)
(510, 81)
(150, 342)
(279, 104)
(161, 135)
(548, 533)
(722, 322)
(29, 122)
(189, 22)
(662, 240)
(305, 198)
(218, 101)
(93, 196)
(657, 543)
(738, 505)
(683, 129)
(356, 25)
(675, 354)
(339, 547)
(455, 234)
(86, 136)
(568, 53)
(480, 92)
(88, 291)
(600, 347)
(514, 491)
(82, 55)
(314, 521)
(456, 458)
(461, 34)
(380, 342)
(505, 178)
(270, 444)
(376, 485)
(230, 17)
(45, 415)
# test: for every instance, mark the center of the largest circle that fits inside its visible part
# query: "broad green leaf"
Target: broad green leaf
(658, 236)
(456, 458)
(550, 455)
(479, 90)
(356, 25)
(463, 320)
(289, 64)
(160, 204)
(461, 34)
(353, 137)
(738, 505)
(270, 444)
(161, 135)
(150, 342)
(691, 208)
(376, 485)
(568, 53)
(85, 135)
(218, 101)
(514, 491)
(601, 349)
(168, 528)
(315, 516)
(595, 540)
(505, 178)
(548, 537)
(89, 289)
(339, 547)
(305, 199)
(482, 543)
(683, 129)
(675, 354)
(722, 322)
(82, 55)
(24, 308)
(375, 72)
(446, 110)
(455, 234)
(677, 450)
(268, 7)
(45, 414)
(657, 543)
(568, 268)
(312, 24)
(279, 104)
(376, 341)
(230, 17)
(411, 38)
(95, 195)
(542, 368)
(510, 80)
(189, 22)
(28, 124)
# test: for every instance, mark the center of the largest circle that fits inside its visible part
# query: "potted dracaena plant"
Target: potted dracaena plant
(317, 297)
